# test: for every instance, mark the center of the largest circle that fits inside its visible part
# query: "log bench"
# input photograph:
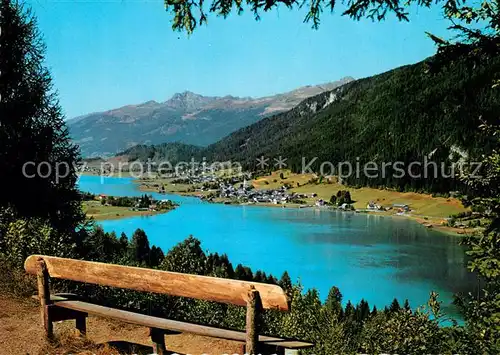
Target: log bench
(254, 296)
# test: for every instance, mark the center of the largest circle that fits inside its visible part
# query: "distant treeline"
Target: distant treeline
(144, 201)
(173, 152)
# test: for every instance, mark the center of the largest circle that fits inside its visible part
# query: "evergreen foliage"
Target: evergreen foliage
(172, 152)
(32, 129)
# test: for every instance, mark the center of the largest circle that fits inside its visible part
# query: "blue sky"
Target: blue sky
(106, 54)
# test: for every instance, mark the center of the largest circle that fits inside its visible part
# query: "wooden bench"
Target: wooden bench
(255, 296)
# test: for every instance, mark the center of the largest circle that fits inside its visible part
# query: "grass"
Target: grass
(274, 180)
(15, 281)
(123, 174)
(68, 344)
(99, 212)
(154, 185)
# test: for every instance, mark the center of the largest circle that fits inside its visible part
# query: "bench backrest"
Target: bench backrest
(172, 283)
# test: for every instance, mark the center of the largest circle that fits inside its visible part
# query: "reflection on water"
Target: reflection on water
(367, 256)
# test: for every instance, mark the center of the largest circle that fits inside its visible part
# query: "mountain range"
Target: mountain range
(185, 118)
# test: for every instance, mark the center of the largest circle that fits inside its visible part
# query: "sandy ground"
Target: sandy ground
(21, 333)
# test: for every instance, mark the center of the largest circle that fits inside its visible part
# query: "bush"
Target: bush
(343, 196)
(478, 208)
(15, 281)
(24, 237)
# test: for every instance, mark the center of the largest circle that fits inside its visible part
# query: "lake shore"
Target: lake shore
(435, 223)
(431, 212)
(438, 208)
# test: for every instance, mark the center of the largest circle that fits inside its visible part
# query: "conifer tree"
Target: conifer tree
(34, 140)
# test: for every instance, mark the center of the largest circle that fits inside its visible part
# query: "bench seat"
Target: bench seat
(255, 296)
(172, 325)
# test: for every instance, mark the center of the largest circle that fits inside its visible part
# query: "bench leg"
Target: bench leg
(44, 296)
(47, 323)
(252, 322)
(158, 339)
(81, 325)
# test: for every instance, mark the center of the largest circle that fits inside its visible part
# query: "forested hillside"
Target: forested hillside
(401, 115)
(167, 151)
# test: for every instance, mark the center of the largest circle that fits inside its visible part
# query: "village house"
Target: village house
(320, 203)
(372, 206)
(401, 207)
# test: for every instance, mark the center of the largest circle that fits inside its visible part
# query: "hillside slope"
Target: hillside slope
(186, 117)
(173, 152)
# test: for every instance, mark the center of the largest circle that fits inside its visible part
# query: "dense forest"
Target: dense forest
(407, 114)
(174, 152)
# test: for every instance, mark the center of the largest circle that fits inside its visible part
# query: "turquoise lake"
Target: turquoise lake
(367, 256)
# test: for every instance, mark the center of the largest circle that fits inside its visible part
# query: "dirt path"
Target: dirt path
(21, 333)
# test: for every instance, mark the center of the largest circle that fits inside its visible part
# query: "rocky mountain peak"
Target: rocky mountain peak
(188, 101)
